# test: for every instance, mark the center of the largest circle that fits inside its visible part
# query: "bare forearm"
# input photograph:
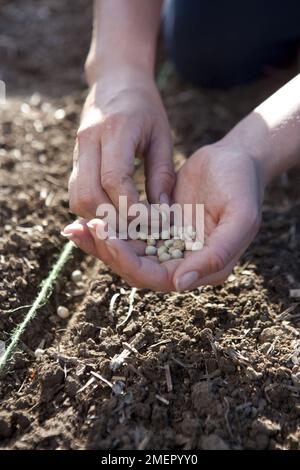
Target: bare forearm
(271, 133)
(124, 35)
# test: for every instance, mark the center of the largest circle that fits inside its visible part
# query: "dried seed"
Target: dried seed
(151, 242)
(164, 257)
(150, 250)
(188, 244)
(162, 249)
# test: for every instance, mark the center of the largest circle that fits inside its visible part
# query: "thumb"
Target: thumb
(231, 237)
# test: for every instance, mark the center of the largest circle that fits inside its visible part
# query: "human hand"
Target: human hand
(122, 116)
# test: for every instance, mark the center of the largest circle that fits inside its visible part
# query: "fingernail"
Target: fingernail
(164, 199)
(111, 249)
(186, 280)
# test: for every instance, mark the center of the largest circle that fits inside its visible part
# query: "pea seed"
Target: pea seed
(165, 234)
(151, 242)
(39, 352)
(169, 243)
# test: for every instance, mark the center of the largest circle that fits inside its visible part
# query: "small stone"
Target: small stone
(150, 250)
(164, 257)
(76, 275)
(176, 254)
(63, 312)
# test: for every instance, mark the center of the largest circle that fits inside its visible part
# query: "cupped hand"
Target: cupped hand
(123, 116)
(230, 185)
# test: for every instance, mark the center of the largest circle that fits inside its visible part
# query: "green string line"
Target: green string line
(44, 294)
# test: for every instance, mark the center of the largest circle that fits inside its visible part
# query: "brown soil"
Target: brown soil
(233, 351)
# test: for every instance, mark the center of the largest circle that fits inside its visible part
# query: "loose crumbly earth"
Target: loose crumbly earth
(233, 351)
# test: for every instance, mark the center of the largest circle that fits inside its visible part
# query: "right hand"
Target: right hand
(123, 115)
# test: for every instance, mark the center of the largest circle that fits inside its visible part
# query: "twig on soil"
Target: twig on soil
(130, 309)
(168, 378)
(155, 345)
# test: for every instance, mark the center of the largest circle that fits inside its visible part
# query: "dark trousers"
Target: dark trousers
(221, 43)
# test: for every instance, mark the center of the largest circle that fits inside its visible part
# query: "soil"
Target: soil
(232, 352)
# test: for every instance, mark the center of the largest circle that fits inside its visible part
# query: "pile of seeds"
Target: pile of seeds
(171, 244)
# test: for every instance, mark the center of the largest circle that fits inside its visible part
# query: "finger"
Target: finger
(159, 169)
(79, 234)
(138, 271)
(229, 239)
(118, 146)
(85, 190)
